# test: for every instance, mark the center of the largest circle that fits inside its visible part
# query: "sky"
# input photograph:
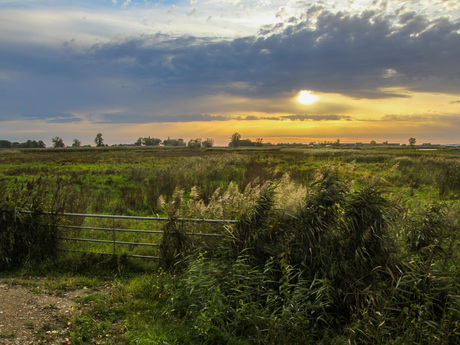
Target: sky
(285, 71)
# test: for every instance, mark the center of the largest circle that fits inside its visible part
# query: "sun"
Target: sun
(306, 97)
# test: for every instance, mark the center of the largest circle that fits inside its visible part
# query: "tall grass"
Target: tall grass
(25, 237)
(441, 172)
(137, 181)
(331, 271)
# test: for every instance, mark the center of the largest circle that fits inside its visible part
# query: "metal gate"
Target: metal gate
(108, 230)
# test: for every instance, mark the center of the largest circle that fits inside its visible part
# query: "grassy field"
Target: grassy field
(338, 245)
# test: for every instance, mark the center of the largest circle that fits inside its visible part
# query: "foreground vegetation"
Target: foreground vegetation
(332, 246)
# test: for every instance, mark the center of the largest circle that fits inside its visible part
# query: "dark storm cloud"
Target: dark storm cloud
(352, 54)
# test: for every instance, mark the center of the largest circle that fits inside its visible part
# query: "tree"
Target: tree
(169, 142)
(5, 144)
(412, 141)
(235, 140)
(98, 140)
(209, 142)
(29, 144)
(194, 143)
(76, 143)
(57, 142)
(260, 142)
(246, 142)
(151, 141)
(373, 143)
(174, 142)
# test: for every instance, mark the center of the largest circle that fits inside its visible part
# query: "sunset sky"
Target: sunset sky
(365, 70)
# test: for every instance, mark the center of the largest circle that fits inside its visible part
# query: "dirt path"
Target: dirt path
(28, 316)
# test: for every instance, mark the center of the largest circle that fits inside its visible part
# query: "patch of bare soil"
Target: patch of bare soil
(29, 316)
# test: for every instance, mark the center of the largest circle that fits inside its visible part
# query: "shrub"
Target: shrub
(28, 237)
(329, 271)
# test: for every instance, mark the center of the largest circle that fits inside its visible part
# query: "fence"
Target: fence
(86, 234)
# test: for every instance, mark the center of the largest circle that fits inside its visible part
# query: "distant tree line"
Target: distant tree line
(235, 141)
(192, 143)
(29, 144)
(58, 142)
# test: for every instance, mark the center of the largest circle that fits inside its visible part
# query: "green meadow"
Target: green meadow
(333, 245)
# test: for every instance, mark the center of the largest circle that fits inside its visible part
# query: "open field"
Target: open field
(334, 245)
(131, 181)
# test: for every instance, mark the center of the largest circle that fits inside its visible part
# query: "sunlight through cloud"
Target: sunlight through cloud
(306, 97)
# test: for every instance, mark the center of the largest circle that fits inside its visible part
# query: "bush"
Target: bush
(331, 271)
(26, 234)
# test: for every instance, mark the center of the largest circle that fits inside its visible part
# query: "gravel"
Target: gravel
(30, 316)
